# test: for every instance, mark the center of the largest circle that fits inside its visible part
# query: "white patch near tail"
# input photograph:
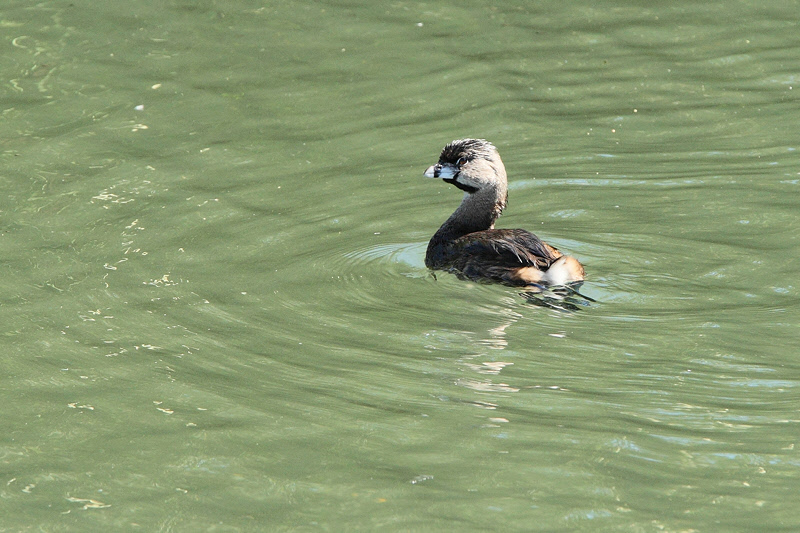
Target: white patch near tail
(565, 269)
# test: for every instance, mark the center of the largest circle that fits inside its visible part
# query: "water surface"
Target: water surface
(216, 315)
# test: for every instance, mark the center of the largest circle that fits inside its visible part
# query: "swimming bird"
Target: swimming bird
(468, 244)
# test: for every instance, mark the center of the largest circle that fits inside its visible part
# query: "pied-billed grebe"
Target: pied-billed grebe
(467, 243)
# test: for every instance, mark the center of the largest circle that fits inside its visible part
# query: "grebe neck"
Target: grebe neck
(478, 212)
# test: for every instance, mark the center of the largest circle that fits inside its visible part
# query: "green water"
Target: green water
(215, 313)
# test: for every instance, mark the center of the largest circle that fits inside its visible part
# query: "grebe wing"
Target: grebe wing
(509, 247)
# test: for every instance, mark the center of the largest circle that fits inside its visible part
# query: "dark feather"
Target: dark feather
(497, 255)
(512, 248)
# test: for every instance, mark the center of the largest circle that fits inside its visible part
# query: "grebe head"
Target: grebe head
(471, 165)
